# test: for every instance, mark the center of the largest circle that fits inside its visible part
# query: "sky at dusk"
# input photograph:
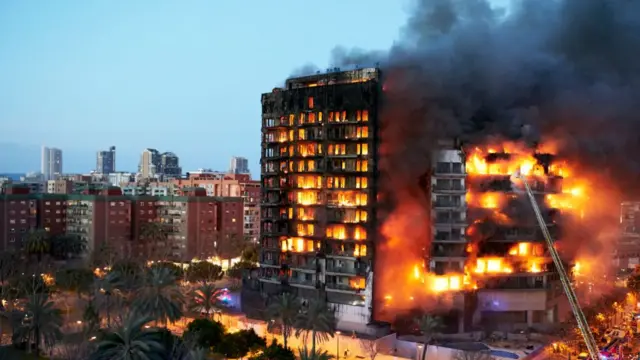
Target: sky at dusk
(180, 76)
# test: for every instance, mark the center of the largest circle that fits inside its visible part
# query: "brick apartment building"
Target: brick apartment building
(231, 185)
(195, 224)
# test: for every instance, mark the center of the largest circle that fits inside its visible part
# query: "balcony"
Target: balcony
(342, 287)
(342, 270)
(270, 262)
(302, 282)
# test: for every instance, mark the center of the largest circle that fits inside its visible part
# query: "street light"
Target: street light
(338, 345)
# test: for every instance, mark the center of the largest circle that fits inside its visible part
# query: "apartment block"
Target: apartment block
(318, 179)
(195, 225)
(60, 186)
(486, 236)
(627, 251)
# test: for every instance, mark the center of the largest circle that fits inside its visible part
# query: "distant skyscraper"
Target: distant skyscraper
(51, 164)
(149, 163)
(170, 165)
(239, 165)
(106, 161)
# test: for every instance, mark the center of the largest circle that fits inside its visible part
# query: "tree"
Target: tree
(370, 347)
(633, 282)
(236, 271)
(64, 247)
(131, 341)
(308, 354)
(8, 265)
(37, 243)
(40, 320)
(275, 351)
(206, 298)
(284, 312)
(173, 268)
(127, 275)
(428, 326)
(105, 290)
(25, 285)
(78, 280)
(250, 253)
(317, 319)
(228, 246)
(204, 332)
(160, 296)
(239, 344)
(204, 271)
(104, 256)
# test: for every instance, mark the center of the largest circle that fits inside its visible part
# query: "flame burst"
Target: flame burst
(550, 179)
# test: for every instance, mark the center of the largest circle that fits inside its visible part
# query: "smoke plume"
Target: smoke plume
(561, 70)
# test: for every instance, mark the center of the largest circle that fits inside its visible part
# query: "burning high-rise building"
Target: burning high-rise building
(319, 175)
(466, 245)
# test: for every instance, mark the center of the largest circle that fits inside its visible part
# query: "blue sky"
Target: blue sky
(184, 76)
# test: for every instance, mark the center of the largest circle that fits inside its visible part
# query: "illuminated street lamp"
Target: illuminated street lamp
(338, 345)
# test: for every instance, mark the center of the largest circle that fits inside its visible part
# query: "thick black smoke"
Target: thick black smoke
(570, 69)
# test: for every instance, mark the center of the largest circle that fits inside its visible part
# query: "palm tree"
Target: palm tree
(206, 298)
(131, 341)
(319, 320)
(8, 261)
(308, 354)
(37, 243)
(428, 325)
(78, 280)
(160, 296)
(67, 246)
(153, 233)
(284, 311)
(106, 288)
(41, 320)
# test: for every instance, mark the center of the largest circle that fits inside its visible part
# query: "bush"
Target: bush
(239, 344)
(205, 333)
(275, 351)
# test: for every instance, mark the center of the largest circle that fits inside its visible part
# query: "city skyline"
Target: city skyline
(164, 67)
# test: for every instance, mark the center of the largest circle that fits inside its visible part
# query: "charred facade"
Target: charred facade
(319, 176)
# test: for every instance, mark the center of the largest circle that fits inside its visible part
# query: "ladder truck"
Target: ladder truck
(589, 340)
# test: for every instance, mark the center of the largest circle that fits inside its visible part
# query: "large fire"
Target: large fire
(552, 181)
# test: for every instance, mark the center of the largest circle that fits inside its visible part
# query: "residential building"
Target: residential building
(318, 186)
(251, 196)
(215, 183)
(627, 251)
(51, 163)
(60, 186)
(196, 225)
(106, 161)
(120, 178)
(239, 165)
